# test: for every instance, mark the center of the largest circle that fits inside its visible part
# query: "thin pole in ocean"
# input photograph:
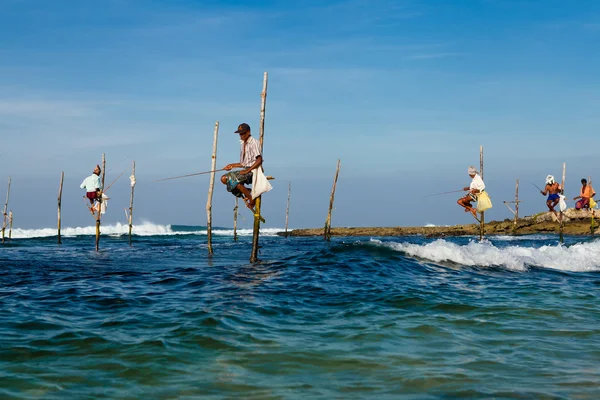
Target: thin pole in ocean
(130, 216)
(257, 217)
(235, 215)
(5, 208)
(592, 228)
(100, 203)
(516, 210)
(60, 188)
(10, 222)
(327, 230)
(482, 219)
(562, 188)
(211, 186)
(287, 209)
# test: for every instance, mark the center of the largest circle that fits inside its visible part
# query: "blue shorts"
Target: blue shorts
(234, 178)
(553, 197)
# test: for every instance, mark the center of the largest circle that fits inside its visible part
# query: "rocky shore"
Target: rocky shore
(575, 223)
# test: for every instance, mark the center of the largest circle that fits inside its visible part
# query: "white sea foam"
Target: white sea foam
(143, 229)
(581, 257)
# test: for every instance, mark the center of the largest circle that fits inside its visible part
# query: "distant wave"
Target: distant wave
(583, 257)
(143, 229)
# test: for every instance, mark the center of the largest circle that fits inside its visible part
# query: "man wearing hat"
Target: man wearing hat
(476, 186)
(92, 185)
(552, 189)
(250, 158)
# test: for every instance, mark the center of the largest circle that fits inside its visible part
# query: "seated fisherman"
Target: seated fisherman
(250, 158)
(586, 193)
(477, 186)
(93, 186)
(552, 189)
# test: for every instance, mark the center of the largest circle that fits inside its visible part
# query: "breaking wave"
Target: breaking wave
(142, 229)
(581, 257)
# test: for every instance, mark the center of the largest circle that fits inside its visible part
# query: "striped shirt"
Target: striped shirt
(249, 151)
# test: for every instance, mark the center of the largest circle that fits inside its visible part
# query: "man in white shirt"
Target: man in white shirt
(250, 158)
(92, 185)
(476, 186)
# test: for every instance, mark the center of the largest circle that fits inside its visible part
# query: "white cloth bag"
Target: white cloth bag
(260, 184)
(562, 204)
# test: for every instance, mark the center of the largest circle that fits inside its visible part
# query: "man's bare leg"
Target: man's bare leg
(248, 197)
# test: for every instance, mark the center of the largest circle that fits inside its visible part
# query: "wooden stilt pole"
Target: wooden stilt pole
(60, 187)
(10, 222)
(5, 216)
(99, 203)
(562, 187)
(287, 210)
(592, 228)
(516, 210)
(256, 230)
(327, 232)
(130, 216)
(482, 217)
(235, 214)
(211, 186)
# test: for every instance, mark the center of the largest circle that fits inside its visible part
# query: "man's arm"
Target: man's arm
(256, 164)
(229, 167)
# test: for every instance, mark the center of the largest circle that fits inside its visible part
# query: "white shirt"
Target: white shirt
(477, 183)
(249, 151)
(91, 183)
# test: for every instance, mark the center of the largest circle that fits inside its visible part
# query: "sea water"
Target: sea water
(359, 317)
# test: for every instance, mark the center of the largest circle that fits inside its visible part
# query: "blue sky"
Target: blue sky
(403, 92)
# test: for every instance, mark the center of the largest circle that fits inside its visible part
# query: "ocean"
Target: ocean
(359, 317)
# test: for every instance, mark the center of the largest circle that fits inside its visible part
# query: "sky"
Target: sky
(404, 93)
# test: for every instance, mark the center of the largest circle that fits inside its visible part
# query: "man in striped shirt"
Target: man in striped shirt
(250, 158)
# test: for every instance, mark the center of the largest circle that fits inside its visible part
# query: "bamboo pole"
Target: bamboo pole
(99, 202)
(593, 212)
(130, 216)
(482, 217)
(256, 230)
(10, 221)
(287, 210)
(516, 208)
(235, 215)
(211, 186)
(5, 208)
(60, 188)
(562, 188)
(327, 232)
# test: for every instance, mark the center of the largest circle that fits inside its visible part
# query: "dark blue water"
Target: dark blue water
(355, 318)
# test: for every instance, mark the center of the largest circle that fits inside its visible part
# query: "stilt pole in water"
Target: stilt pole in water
(516, 210)
(100, 204)
(130, 216)
(235, 214)
(256, 230)
(5, 216)
(10, 221)
(327, 232)
(60, 187)
(562, 186)
(211, 186)
(482, 218)
(287, 209)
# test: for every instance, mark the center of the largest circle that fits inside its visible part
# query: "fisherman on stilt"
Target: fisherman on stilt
(553, 190)
(477, 186)
(93, 187)
(250, 159)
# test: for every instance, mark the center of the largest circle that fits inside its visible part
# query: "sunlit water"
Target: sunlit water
(354, 318)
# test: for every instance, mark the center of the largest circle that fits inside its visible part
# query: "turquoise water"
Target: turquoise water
(403, 317)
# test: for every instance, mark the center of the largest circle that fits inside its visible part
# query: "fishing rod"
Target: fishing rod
(536, 186)
(185, 176)
(438, 194)
(114, 181)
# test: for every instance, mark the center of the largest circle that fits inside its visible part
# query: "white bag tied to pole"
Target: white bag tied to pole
(562, 204)
(260, 184)
(132, 180)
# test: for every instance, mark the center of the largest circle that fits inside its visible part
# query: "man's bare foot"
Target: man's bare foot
(474, 212)
(249, 203)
